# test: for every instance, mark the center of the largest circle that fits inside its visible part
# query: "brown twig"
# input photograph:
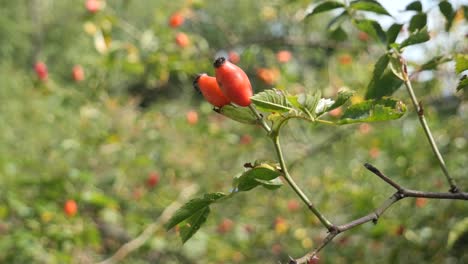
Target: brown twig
(400, 194)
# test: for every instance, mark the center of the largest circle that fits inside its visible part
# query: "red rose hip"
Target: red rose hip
(209, 88)
(233, 82)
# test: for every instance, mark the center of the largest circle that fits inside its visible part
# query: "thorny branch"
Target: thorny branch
(400, 194)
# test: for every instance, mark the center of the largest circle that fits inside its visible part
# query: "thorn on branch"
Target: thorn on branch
(292, 260)
(248, 165)
(454, 189)
(420, 109)
(375, 219)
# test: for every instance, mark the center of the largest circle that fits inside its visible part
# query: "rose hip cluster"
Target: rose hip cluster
(231, 85)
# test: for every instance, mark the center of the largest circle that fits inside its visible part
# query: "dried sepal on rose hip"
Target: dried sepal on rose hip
(233, 81)
(209, 88)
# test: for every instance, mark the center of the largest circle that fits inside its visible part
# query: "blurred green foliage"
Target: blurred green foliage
(96, 141)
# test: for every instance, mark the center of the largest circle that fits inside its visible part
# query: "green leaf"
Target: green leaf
(416, 38)
(336, 22)
(458, 230)
(325, 6)
(369, 5)
(342, 97)
(306, 103)
(447, 10)
(379, 68)
(385, 85)
(271, 184)
(397, 67)
(372, 28)
(191, 226)
(461, 63)
(373, 111)
(193, 207)
(239, 114)
(434, 62)
(463, 83)
(338, 35)
(271, 100)
(262, 174)
(392, 33)
(417, 22)
(415, 6)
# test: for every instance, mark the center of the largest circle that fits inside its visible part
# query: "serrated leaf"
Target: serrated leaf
(414, 6)
(397, 67)
(325, 6)
(373, 111)
(392, 33)
(369, 5)
(457, 231)
(372, 28)
(417, 22)
(192, 207)
(239, 114)
(259, 175)
(461, 63)
(416, 38)
(434, 62)
(343, 96)
(386, 85)
(193, 224)
(271, 100)
(447, 10)
(308, 103)
(463, 83)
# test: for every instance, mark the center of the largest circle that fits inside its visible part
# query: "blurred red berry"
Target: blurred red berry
(374, 152)
(293, 205)
(421, 202)
(345, 59)
(93, 6)
(225, 226)
(153, 179)
(364, 128)
(70, 208)
(41, 70)
(233, 57)
(176, 20)
(192, 117)
(182, 40)
(283, 56)
(363, 36)
(246, 139)
(78, 73)
(268, 76)
(313, 260)
(336, 112)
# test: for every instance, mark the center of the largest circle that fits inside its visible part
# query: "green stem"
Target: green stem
(427, 131)
(260, 119)
(297, 190)
(325, 122)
